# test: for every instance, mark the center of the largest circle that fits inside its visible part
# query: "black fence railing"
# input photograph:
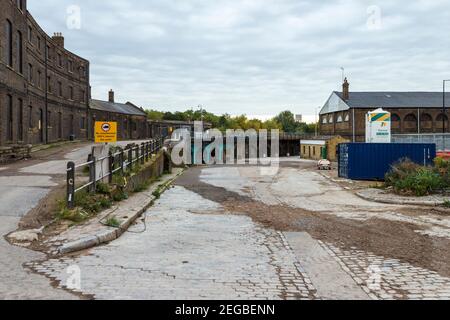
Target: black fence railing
(122, 161)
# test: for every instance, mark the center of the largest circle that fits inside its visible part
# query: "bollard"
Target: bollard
(70, 185)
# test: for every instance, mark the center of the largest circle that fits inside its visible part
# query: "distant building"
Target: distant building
(165, 128)
(317, 148)
(131, 120)
(344, 113)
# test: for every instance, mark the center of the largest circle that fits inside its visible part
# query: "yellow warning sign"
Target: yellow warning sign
(105, 132)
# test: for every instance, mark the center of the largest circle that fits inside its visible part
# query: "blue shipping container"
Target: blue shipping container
(371, 161)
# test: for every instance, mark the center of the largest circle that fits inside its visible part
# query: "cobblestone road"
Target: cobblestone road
(184, 255)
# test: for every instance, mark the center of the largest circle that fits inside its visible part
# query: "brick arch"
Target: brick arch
(426, 123)
(410, 123)
(439, 119)
(396, 123)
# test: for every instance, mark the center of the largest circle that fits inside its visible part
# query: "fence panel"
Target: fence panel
(117, 163)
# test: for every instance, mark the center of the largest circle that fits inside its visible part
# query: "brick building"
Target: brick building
(44, 88)
(131, 120)
(411, 112)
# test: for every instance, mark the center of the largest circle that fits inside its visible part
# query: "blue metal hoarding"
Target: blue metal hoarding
(371, 161)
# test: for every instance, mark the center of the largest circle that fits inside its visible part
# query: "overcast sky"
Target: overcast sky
(254, 57)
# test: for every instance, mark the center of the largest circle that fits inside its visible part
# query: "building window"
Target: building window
(82, 96)
(49, 84)
(339, 119)
(30, 117)
(39, 79)
(347, 117)
(19, 52)
(70, 65)
(30, 34)
(82, 123)
(71, 93)
(331, 119)
(30, 73)
(60, 60)
(9, 44)
(324, 120)
(48, 53)
(20, 118)
(49, 118)
(9, 119)
(39, 44)
(20, 4)
(60, 129)
(60, 89)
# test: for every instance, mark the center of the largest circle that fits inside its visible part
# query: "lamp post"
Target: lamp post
(317, 120)
(444, 111)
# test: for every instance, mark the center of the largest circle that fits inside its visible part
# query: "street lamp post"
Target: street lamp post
(444, 112)
(317, 120)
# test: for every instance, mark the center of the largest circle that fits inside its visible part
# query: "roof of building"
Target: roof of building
(374, 100)
(395, 99)
(122, 108)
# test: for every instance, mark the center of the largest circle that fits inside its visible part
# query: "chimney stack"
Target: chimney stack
(346, 90)
(111, 96)
(58, 39)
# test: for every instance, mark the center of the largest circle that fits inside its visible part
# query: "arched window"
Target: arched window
(331, 119)
(324, 120)
(441, 119)
(347, 117)
(395, 122)
(426, 123)
(410, 123)
(339, 119)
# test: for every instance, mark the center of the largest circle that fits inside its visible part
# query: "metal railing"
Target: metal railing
(121, 161)
(441, 140)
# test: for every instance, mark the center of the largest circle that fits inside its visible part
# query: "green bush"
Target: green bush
(409, 178)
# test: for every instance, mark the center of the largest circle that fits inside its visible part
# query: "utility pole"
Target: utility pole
(444, 111)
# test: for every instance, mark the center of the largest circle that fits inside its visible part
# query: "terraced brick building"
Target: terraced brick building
(44, 88)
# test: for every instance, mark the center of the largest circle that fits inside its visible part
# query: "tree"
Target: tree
(287, 121)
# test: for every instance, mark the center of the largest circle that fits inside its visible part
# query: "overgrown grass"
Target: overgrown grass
(112, 222)
(409, 178)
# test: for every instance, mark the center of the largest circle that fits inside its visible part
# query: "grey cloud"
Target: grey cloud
(252, 56)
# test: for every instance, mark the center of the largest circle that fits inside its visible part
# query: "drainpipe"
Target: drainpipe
(418, 120)
(353, 125)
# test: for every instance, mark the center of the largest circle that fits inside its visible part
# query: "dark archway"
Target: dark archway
(426, 123)
(410, 124)
(441, 118)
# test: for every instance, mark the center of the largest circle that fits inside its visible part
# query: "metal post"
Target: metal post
(147, 150)
(70, 185)
(122, 162)
(92, 174)
(142, 153)
(111, 167)
(130, 158)
(137, 155)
